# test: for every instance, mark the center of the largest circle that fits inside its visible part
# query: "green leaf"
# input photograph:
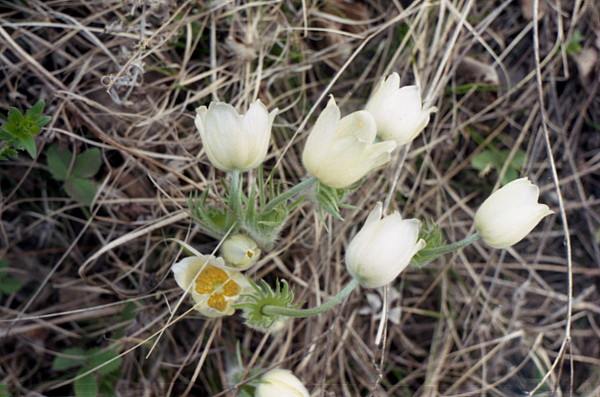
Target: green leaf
(58, 160)
(483, 161)
(81, 190)
(36, 110)
(29, 144)
(7, 151)
(73, 357)
(434, 238)
(4, 390)
(510, 175)
(20, 129)
(518, 160)
(102, 357)
(87, 163)
(107, 384)
(9, 285)
(574, 45)
(86, 386)
(330, 199)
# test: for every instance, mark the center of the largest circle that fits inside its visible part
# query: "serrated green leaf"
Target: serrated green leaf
(87, 163)
(86, 386)
(58, 160)
(81, 190)
(99, 358)
(73, 357)
(9, 285)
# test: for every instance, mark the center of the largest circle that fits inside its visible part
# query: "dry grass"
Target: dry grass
(126, 77)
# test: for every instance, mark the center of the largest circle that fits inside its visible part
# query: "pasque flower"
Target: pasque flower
(280, 383)
(510, 213)
(383, 248)
(240, 251)
(214, 287)
(235, 142)
(398, 111)
(340, 151)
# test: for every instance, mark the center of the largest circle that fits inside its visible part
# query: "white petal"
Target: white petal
(280, 383)
(361, 125)
(186, 270)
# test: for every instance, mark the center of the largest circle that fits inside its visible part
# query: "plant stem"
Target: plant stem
(288, 194)
(313, 311)
(235, 192)
(434, 253)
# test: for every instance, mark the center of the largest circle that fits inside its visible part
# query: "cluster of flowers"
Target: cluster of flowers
(338, 153)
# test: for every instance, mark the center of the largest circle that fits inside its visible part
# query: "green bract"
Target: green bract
(263, 295)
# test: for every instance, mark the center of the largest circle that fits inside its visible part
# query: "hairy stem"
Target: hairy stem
(445, 249)
(313, 311)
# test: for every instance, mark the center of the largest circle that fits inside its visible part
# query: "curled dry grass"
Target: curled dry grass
(126, 77)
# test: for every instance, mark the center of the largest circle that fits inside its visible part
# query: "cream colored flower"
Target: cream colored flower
(234, 142)
(383, 248)
(338, 152)
(240, 251)
(510, 213)
(398, 111)
(214, 288)
(280, 383)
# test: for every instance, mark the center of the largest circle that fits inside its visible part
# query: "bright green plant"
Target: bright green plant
(100, 382)
(8, 284)
(19, 130)
(75, 171)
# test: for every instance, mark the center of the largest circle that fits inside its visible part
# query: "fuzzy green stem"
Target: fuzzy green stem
(434, 253)
(288, 194)
(271, 310)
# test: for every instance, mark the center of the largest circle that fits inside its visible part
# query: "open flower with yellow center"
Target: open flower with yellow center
(214, 288)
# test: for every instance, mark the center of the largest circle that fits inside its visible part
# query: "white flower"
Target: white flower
(383, 248)
(280, 383)
(232, 141)
(240, 251)
(398, 112)
(510, 213)
(214, 288)
(340, 152)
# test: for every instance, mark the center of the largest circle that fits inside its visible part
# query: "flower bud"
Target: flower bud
(234, 142)
(398, 112)
(338, 152)
(383, 248)
(510, 213)
(240, 251)
(280, 383)
(212, 286)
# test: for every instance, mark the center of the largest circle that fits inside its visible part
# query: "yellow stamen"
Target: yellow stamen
(210, 279)
(217, 301)
(231, 288)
